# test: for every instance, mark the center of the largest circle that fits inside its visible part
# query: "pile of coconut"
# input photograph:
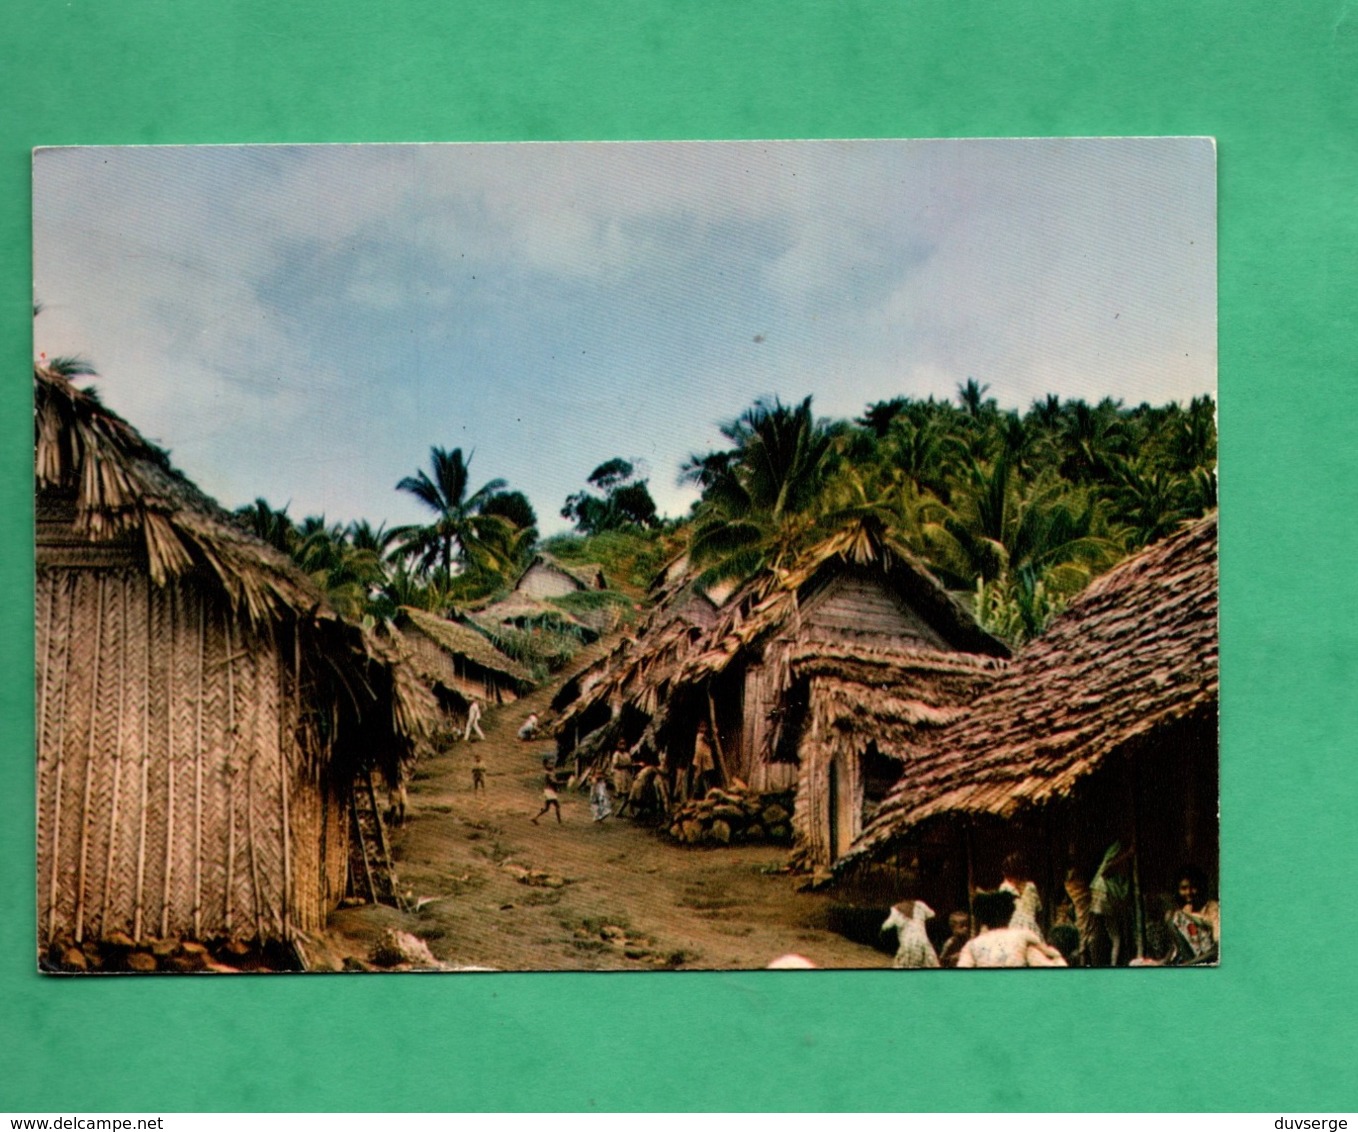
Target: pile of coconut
(735, 813)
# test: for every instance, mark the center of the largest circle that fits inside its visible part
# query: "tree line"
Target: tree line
(1016, 510)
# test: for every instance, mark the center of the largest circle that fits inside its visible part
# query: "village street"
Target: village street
(614, 895)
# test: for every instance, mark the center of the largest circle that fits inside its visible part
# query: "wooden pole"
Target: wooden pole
(198, 775)
(718, 753)
(68, 583)
(250, 839)
(167, 888)
(1138, 912)
(145, 765)
(363, 851)
(46, 666)
(117, 766)
(971, 874)
(89, 763)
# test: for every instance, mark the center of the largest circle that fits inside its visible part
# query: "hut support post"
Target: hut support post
(1138, 911)
(718, 753)
(284, 716)
(971, 873)
(230, 769)
(89, 763)
(250, 840)
(363, 851)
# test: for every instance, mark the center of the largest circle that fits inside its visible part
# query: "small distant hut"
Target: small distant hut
(201, 714)
(1102, 729)
(459, 663)
(546, 577)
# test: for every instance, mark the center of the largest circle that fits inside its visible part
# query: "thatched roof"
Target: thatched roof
(640, 666)
(770, 602)
(123, 488)
(118, 488)
(520, 609)
(467, 643)
(687, 639)
(589, 576)
(1134, 653)
(894, 699)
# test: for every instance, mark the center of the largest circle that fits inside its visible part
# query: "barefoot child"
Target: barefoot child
(478, 771)
(549, 798)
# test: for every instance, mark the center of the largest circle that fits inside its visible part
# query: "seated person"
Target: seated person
(1195, 922)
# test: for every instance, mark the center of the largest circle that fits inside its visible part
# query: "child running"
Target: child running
(549, 798)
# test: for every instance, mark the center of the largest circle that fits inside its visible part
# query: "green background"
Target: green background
(1272, 1029)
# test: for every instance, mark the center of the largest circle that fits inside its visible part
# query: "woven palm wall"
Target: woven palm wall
(173, 793)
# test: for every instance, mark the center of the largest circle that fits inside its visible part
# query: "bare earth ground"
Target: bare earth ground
(615, 895)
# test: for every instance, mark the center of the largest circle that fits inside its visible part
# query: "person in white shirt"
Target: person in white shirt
(998, 944)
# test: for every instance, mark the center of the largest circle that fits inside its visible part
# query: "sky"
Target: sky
(303, 323)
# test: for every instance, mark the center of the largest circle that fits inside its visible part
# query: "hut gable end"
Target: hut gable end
(858, 608)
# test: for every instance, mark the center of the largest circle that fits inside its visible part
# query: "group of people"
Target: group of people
(1088, 930)
(602, 788)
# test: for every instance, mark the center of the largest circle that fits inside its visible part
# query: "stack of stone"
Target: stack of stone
(736, 813)
(120, 952)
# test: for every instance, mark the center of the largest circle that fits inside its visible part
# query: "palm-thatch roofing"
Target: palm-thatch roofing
(468, 644)
(585, 576)
(123, 488)
(1135, 653)
(895, 699)
(642, 665)
(100, 483)
(771, 602)
(522, 611)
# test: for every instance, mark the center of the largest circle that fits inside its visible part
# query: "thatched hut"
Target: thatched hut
(776, 672)
(201, 715)
(618, 695)
(1102, 729)
(856, 719)
(524, 614)
(459, 662)
(545, 577)
(844, 596)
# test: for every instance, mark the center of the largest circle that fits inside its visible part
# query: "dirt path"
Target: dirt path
(608, 896)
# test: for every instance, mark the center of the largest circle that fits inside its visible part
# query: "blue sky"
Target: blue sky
(304, 323)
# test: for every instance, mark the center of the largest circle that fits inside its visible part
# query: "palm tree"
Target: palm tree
(350, 575)
(461, 531)
(759, 504)
(268, 525)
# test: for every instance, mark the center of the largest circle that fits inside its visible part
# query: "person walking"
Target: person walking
(473, 721)
(549, 799)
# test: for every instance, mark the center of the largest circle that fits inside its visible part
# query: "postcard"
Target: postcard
(626, 556)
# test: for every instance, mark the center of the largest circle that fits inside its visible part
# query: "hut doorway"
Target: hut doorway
(843, 827)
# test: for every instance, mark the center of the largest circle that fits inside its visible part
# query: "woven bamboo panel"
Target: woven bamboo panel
(167, 736)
